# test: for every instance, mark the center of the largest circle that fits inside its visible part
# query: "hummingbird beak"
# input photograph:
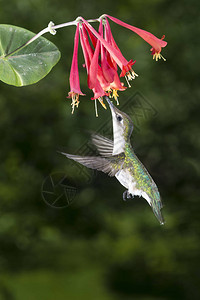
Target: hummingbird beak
(110, 103)
(113, 109)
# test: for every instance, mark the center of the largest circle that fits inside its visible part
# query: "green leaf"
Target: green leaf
(26, 65)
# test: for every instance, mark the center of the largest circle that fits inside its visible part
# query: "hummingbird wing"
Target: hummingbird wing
(109, 165)
(103, 144)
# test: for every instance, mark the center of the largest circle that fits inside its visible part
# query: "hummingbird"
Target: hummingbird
(117, 158)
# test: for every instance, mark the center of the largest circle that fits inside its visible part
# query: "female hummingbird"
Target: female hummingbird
(117, 158)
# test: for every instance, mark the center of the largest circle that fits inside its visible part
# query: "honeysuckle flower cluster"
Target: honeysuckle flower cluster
(103, 58)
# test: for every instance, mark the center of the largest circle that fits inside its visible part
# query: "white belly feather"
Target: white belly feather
(127, 180)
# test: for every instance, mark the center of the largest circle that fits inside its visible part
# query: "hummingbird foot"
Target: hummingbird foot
(127, 195)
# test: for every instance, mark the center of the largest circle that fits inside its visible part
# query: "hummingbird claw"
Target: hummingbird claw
(126, 195)
(129, 195)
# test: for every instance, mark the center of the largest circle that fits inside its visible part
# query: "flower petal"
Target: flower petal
(93, 70)
(98, 91)
(116, 55)
(155, 42)
(74, 74)
(127, 68)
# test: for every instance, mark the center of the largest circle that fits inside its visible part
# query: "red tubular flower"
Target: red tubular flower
(115, 53)
(96, 80)
(75, 90)
(111, 66)
(108, 35)
(110, 56)
(103, 79)
(94, 71)
(127, 70)
(107, 69)
(102, 58)
(87, 50)
(92, 38)
(98, 91)
(157, 44)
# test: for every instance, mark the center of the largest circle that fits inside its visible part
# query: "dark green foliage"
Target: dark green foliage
(108, 248)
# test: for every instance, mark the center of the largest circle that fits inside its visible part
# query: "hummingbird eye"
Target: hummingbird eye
(119, 118)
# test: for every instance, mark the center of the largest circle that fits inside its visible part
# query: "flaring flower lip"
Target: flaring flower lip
(156, 43)
(127, 68)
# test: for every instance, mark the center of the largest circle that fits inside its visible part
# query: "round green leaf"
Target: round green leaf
(27, 65)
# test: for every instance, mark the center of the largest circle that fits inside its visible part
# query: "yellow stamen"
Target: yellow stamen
(131, 75)
(101, 101)
(127, 81)
(158, 56)
(115, 96)
(109, 92)
(75, 101)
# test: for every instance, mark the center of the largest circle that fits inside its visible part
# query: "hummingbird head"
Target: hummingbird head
(122, 126)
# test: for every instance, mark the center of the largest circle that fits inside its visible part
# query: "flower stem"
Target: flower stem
(51, 29)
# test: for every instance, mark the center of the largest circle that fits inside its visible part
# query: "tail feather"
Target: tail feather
(158, 214)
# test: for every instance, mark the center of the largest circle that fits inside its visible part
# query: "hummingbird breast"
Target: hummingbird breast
(125, 178)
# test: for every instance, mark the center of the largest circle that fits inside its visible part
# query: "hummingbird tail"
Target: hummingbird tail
(158, 214)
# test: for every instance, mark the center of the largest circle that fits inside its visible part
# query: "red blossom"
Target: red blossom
(96, 81)
(75, 89)
(115, 53)
(102, 59)
(127, 68)
(113, 56)
(157, 44)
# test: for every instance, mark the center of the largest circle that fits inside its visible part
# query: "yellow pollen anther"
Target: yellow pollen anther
(130, 75)
(158, 56)
(115, 96)
(109, 93)
(127, 80)
(75, 101)
(101, 101)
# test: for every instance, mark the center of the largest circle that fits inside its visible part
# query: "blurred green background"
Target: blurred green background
(101, 247)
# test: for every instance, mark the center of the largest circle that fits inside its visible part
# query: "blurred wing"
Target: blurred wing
(103, 144)
(110, 166)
